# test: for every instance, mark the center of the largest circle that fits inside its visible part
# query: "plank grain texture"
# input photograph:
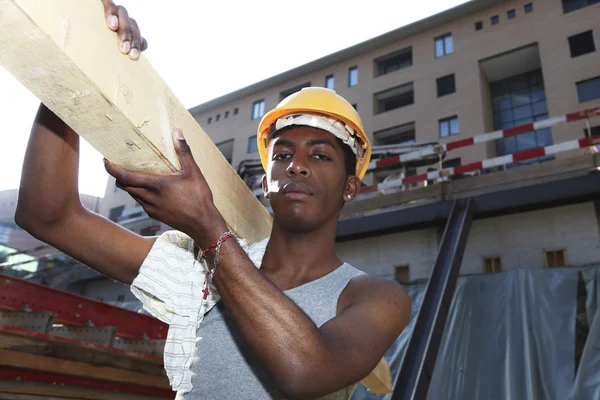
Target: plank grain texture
(17, 359)
(64, 53)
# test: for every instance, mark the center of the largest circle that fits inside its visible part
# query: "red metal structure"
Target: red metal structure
(54, 343)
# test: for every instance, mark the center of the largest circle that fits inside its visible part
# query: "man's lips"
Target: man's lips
(296, 189)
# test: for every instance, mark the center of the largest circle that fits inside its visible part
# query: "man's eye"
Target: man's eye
(281, 156)
(321, 157)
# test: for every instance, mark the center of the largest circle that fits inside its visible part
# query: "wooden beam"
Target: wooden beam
(56, 347)
(17, 359)
(36, 391)
(64, 53)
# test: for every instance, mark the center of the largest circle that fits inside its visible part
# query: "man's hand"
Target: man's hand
(130, 40)
(183, 200)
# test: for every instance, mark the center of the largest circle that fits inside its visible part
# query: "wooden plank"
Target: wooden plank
(64, 54)
(380, 380)
(16, 359)
(38, 391)
(33, 343)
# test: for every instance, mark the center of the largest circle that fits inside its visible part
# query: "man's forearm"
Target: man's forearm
(283, 337)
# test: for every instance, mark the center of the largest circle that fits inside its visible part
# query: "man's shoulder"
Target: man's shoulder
(365, 288)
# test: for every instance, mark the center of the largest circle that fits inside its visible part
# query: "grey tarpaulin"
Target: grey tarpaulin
(508, 336)
(587, 381)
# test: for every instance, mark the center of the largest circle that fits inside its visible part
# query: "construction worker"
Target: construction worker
(283, 318)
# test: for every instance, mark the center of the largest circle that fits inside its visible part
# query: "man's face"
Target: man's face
(306, 180)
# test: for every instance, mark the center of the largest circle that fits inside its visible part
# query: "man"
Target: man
(285, 318)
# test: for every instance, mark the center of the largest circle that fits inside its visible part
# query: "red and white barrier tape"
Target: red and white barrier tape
(489, 163)
(486, 137)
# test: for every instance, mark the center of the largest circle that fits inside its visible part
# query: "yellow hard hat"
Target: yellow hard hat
(319, 101)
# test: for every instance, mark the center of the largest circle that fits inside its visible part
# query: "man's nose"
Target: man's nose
(298, 167)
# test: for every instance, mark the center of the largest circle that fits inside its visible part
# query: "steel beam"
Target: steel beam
(416, 370)
(71, 309)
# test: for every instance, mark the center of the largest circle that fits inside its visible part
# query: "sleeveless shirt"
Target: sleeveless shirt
(224, 367)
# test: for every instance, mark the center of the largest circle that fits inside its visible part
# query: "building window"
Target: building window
(449, 126)
(595, 131)
(478, 25)
(235, 111)
(218, 118)
(401, 134)
(226, 148)
(589, 89)
(556, 258)
(402, 273)
(329, 82)
(517, 101)
(252, 144)
(226, 114)
(572, 5)
(582, 43)
(511, 14)
(353, 76)
(209, 121)
(528, 8)
(393, 62)
(399, 96)
(445, 85)
(444, 45)
(115, 213)
(451, 163)
(289, 92)
(495, 20)
(492, 264)
(258, 109)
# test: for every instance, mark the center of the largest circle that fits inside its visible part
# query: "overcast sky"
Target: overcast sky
(206, 49)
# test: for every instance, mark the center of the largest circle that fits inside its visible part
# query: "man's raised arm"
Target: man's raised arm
(49, 206)
(50, 209)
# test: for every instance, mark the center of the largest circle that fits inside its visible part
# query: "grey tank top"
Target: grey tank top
(225, 368)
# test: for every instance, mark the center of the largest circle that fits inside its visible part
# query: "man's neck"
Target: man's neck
(292, 259)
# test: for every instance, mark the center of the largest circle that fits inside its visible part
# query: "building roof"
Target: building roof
(388, 38)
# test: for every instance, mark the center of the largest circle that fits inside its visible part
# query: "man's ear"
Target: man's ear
(265, 187)
(352, 188)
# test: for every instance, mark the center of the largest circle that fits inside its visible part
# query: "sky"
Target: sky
(207, 49)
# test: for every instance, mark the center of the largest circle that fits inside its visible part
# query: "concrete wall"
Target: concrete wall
(521, 240)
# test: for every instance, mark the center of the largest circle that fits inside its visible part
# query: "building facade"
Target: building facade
(476, 68)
